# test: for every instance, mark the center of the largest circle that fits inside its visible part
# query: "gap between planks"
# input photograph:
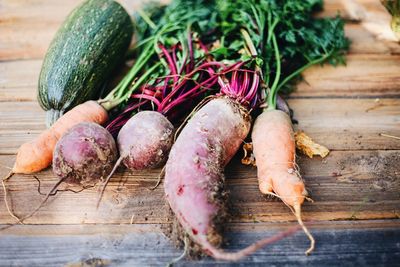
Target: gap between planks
(349, 185)
(26, 32)
(340, 244)
(92, 229)
(363, 76)
(339, 124)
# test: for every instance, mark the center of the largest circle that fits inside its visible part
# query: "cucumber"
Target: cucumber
(90, 43)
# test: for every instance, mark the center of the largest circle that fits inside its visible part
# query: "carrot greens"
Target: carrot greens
(282, 37)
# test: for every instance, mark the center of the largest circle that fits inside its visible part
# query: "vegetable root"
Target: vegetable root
(38, 154)
(21, 220)
(6, 198)
(194, 181)
(144, 142)
(84, 155)
(274, 150)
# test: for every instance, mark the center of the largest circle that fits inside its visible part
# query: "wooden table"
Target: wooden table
(356, 189)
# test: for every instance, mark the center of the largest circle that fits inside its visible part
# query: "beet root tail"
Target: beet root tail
(9, 210)
(235, 256)
(107, 180)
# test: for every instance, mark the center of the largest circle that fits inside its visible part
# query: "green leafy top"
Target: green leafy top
(279, 39)
(282, 37)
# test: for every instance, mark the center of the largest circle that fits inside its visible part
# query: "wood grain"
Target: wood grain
(346, 185)
(19, 79)
(344, 108)
(365, 42)
(372, 75)
(27, 27)
(366, 75)
(338, 243)
(338, 123)
(349, 124)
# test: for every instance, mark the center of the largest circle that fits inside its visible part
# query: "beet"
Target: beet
(194, 175)
(84, 155)
(145, 140)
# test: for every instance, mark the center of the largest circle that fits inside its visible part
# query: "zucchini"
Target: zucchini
(88, 46)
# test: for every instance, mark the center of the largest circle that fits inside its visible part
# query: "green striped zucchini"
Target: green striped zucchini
(85, 50)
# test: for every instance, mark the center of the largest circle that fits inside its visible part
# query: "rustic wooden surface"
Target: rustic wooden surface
(356, 189)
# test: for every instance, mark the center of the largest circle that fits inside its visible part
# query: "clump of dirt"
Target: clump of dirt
(178, 236)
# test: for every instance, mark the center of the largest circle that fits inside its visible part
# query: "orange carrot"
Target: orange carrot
(274, 150)
(38, 154)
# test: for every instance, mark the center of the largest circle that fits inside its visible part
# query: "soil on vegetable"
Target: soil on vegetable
(177, 235)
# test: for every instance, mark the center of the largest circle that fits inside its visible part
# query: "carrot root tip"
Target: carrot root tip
(297, 213)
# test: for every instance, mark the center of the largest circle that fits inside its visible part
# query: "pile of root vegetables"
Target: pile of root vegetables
(206, 75)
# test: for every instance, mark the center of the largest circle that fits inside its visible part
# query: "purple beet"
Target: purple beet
(84, 155)
(145, 140)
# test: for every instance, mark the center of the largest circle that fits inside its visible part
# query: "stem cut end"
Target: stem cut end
(52, 116)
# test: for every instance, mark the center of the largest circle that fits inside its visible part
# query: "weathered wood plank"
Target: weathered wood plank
(340, 124)
(19, 79)
(343, 124)
(338, 244)
(346, 185)
(365, 42)
(373, 75)
(367, 75)
(27, 27)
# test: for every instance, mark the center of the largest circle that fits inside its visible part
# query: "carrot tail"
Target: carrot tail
(297, 213)
(107, 180)
(296, 209)
(235, 256)
(8, 176)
